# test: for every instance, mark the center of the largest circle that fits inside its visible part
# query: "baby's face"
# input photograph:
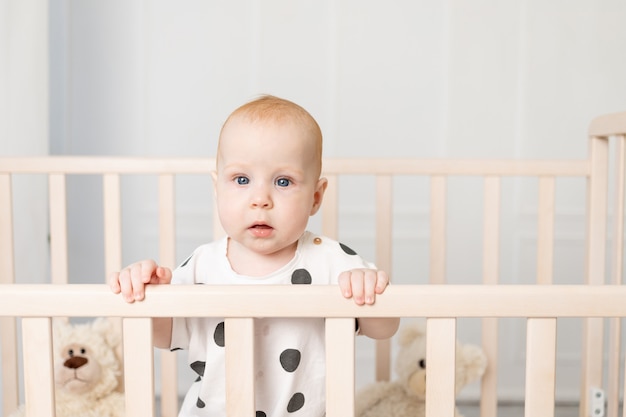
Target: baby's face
(267, 185)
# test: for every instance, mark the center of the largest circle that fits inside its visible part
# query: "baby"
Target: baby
(267, 185)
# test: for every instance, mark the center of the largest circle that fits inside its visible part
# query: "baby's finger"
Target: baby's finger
(344, 284)
(114, 283)
(125, 283)
(163, 275)
(137, 277)
(382, 282)
(357, 278)
(369, 286)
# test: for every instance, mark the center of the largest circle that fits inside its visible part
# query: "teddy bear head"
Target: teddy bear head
(410, 364)
(86, 366)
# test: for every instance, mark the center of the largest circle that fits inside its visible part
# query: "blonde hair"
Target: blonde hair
(269, 108)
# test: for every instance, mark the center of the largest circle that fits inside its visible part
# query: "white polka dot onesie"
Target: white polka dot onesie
(289, 353)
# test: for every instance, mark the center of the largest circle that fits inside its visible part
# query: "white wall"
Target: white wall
(399, 78)
(24, 126)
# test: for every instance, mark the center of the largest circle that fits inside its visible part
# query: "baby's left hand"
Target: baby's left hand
(363, 284)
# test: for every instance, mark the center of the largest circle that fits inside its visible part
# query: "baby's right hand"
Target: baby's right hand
(131, 281)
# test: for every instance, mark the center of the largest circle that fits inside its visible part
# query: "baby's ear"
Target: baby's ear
(109, 331)
(318, 195)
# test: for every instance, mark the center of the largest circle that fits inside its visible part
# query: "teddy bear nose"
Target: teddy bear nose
(75, 362)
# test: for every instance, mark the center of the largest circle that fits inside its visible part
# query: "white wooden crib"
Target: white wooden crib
(601, 296)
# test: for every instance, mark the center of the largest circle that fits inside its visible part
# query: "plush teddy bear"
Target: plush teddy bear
(405, 396)
(86, 370)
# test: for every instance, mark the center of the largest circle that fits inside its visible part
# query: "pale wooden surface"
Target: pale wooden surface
(58, 229)
(38, 367)
(8, 328)
(593, 330)
(239, 337)
(384, 250)
(441, 369)
(540, 302)
(438, 187)
(344, 166)
(491, 270)
(540, 367)
(94, 300)
(138, 367)
(167, 257)
(614, 368)
(340, 368)
(608, 125)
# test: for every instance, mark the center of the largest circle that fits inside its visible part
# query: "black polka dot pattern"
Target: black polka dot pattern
(296, 402)
(200, 403)
(260, 414)
(198, 367)
(347, 250)
(290, 359)
(218, 335)
(301, 276)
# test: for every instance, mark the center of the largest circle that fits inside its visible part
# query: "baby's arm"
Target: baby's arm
(131, 282)
(363, 285)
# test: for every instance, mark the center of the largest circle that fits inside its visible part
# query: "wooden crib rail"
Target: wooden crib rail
(603, 227)
(441, 304)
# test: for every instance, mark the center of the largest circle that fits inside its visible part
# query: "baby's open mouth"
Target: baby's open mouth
(261, 230)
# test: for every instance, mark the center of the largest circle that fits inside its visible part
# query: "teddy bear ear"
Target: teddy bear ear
(411, 331)
(105, 327)
(60, 326)
(473, 362)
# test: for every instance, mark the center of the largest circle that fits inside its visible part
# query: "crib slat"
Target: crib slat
(167, 257)
(340, 367)
(7, 271)
(8, 327)
(440, 372)
(489, 380)
(38, 367)
(384, 215)
(58, 228)
(383, 222)
(545, 232)
(437, 230)
(112, 223)
(239, 342)
(330, 208)
(138, 367)
(491, 263)
(491, 230)
(540, 367)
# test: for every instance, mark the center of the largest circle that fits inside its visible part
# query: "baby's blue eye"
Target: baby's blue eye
(283, 182)
(242, 180)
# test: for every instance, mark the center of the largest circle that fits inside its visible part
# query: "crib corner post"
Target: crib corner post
(597, 213)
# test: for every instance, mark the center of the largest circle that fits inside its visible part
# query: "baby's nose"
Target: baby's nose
(261, 198)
